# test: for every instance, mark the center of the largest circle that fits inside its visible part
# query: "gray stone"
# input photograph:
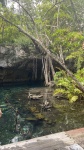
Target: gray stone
(74, 147)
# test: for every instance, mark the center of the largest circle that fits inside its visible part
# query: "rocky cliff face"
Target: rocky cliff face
(17, 66)
(20, 65)
(10, 55)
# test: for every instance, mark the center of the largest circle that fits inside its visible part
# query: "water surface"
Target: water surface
(24, 118)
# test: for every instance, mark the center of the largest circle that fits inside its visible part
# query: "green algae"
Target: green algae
(33, 109)
(39, 116)
(31, 119)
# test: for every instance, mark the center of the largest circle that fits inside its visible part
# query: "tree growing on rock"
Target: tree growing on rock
(54, 28)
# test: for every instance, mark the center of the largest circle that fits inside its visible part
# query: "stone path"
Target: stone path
(70, 140)
(77, 135)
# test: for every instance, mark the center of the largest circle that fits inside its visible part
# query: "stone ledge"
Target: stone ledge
(57, 141)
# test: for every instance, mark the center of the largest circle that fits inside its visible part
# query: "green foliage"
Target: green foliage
(8, 33)
(23, 41)
(67, 87)
(80, 75)
(71, 42)
(61, 27)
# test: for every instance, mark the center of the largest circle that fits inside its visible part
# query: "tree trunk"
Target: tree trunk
(46, 71)
(52, 68)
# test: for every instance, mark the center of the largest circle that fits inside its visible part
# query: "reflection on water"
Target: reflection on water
(25, 118)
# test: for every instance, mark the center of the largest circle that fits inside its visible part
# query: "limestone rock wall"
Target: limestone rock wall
(17, 66)
(20, 65)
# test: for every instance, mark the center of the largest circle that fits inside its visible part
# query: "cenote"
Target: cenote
(24, 118)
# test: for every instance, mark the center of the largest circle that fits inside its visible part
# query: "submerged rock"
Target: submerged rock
(17, 138)
(27, 130)
(25, 133)
(39, 116)
(33, 109)
(31, 119)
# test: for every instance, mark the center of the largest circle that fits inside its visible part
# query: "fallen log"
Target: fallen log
(34, 97)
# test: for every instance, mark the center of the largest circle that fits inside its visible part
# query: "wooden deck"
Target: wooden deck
(57, 141)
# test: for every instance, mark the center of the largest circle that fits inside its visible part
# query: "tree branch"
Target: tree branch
(75, 15)
(53, 7)
(17, 1)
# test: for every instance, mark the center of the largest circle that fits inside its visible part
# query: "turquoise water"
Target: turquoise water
(24, 118)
